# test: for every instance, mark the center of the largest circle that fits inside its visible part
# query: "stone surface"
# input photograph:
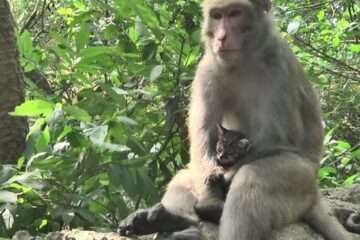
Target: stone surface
(342, 200)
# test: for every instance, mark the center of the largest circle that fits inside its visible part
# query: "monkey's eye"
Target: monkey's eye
(235, 13)
(216, 15)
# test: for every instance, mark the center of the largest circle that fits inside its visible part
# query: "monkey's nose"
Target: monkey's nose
(221, 156)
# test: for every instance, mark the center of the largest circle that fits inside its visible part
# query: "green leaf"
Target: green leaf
(345, 160)
(133, 35)
(126, 120)
(60, 39)
(321, 15)
(355, 48)
(32, 181)
(43, 161)
(87, 215)
(121, 176)
(326, 171)
(93, 52)
(96, 134)
(42, 143)
(68, 216)
(149, 185)
(146, 15)
(6, 173)
(328, 136)
(7, 197)
(82, 37)
(79, 5)
(56, 123)
(77, 113)
(25, 42)
(32, 108)
(112, 147)
(156, 72)
(63, 53)
(350, 180)
(343, 146)
(355, 154)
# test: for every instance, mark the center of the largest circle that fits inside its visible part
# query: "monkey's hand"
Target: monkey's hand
(152, 220)
(215, 178)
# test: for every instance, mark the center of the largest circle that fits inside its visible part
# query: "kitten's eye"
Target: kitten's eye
(235, 13)
(216, 15)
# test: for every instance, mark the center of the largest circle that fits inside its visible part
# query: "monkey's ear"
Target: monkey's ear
(267, 5)
(264, 5)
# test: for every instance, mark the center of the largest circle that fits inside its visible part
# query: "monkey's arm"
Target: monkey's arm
(204, 115)
(211, 204)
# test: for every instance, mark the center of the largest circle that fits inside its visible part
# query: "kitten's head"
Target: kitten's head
(231, 146)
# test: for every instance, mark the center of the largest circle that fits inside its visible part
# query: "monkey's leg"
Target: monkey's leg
(179, 198)
(267, 194)
(321, 219)
(176, 212)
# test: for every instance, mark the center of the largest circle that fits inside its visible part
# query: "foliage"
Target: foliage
(114, 131)
(326, 38)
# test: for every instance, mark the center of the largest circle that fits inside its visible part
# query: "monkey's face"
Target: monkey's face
(229, 28)
(230, 25)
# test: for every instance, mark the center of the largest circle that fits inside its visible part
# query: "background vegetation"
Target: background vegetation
(107, 91)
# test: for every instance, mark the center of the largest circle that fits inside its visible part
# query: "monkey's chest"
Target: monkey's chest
(230, 120)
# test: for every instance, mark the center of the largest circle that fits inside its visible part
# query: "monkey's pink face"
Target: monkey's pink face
(229, 28)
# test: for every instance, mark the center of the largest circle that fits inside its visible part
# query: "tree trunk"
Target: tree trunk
(13, 130)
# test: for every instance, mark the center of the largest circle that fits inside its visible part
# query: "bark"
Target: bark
(13, 130)
(40, 80)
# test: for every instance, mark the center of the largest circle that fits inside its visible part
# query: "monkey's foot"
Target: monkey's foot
(152, 220)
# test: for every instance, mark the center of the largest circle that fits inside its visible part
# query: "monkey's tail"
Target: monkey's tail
(320, 218)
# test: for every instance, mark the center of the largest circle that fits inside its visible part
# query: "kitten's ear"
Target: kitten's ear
(244, 144)
(221, 129)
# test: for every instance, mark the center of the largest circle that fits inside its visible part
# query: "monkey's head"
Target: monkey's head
(231, 25)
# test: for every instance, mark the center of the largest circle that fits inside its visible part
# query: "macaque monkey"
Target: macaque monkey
(250, 81)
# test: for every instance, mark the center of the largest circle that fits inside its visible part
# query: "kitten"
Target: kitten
(232, 146)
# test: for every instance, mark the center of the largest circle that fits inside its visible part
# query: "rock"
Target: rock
(76, 234)
(342, 201)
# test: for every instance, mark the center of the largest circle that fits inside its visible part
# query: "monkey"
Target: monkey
(249, 80)
(231, 147)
